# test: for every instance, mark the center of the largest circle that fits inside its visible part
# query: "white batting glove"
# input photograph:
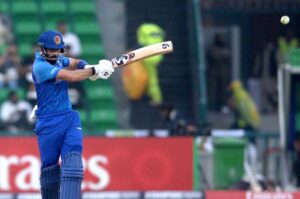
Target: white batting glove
(32, 117)
(103, 70)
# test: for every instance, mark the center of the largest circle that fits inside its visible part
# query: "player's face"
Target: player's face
(53, 53)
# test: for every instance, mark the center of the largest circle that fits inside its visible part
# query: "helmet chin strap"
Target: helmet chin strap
(47, 57)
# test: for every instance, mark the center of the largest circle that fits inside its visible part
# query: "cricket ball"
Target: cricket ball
(284, 19)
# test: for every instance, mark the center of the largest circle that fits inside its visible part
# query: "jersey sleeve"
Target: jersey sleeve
(44, 72)
(65, 62)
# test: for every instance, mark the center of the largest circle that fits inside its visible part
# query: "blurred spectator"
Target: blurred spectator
(9, 67)
(178, 125)
(26, 68)
(218, 72)
(141, 80)
(26, 80)
(72, 41)
(5, 34)
(286, 43)
(246, 114)
(15, 113)
(147, 34)
(135, 80)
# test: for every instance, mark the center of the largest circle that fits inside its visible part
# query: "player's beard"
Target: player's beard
(51, 58)
(51, 61)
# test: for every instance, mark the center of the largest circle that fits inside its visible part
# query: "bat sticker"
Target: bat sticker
(124, 59)
(165, 45)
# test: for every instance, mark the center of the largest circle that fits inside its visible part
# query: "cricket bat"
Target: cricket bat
(142, 53)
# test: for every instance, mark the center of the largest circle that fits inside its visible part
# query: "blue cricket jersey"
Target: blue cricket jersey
(52, 93)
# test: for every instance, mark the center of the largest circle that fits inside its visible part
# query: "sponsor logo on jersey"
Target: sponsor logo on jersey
(57, 81)
(53, 70)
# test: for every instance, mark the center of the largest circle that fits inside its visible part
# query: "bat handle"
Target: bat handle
(114, 65)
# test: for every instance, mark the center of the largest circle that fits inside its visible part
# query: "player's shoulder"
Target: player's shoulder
(38, 59)
(39, 65)
(64, 60)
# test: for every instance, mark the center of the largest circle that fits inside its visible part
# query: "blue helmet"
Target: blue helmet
(51, 39)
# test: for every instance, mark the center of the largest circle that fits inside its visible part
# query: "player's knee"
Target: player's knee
(50, 177)
(49, 162)
(72, 166)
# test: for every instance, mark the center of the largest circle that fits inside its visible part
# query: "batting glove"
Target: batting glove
(103, 70)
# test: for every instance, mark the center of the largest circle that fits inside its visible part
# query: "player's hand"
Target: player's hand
(93, 77)
(104, 69)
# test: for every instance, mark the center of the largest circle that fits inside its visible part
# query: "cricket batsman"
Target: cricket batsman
(58, 127)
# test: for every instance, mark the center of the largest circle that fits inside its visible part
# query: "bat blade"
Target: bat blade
(142, 53)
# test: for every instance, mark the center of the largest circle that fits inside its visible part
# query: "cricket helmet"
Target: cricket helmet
(50, 40)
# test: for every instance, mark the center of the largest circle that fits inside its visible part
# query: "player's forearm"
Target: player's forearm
(76, 64)
(79, 75)
(73, 64)
(75, 75)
